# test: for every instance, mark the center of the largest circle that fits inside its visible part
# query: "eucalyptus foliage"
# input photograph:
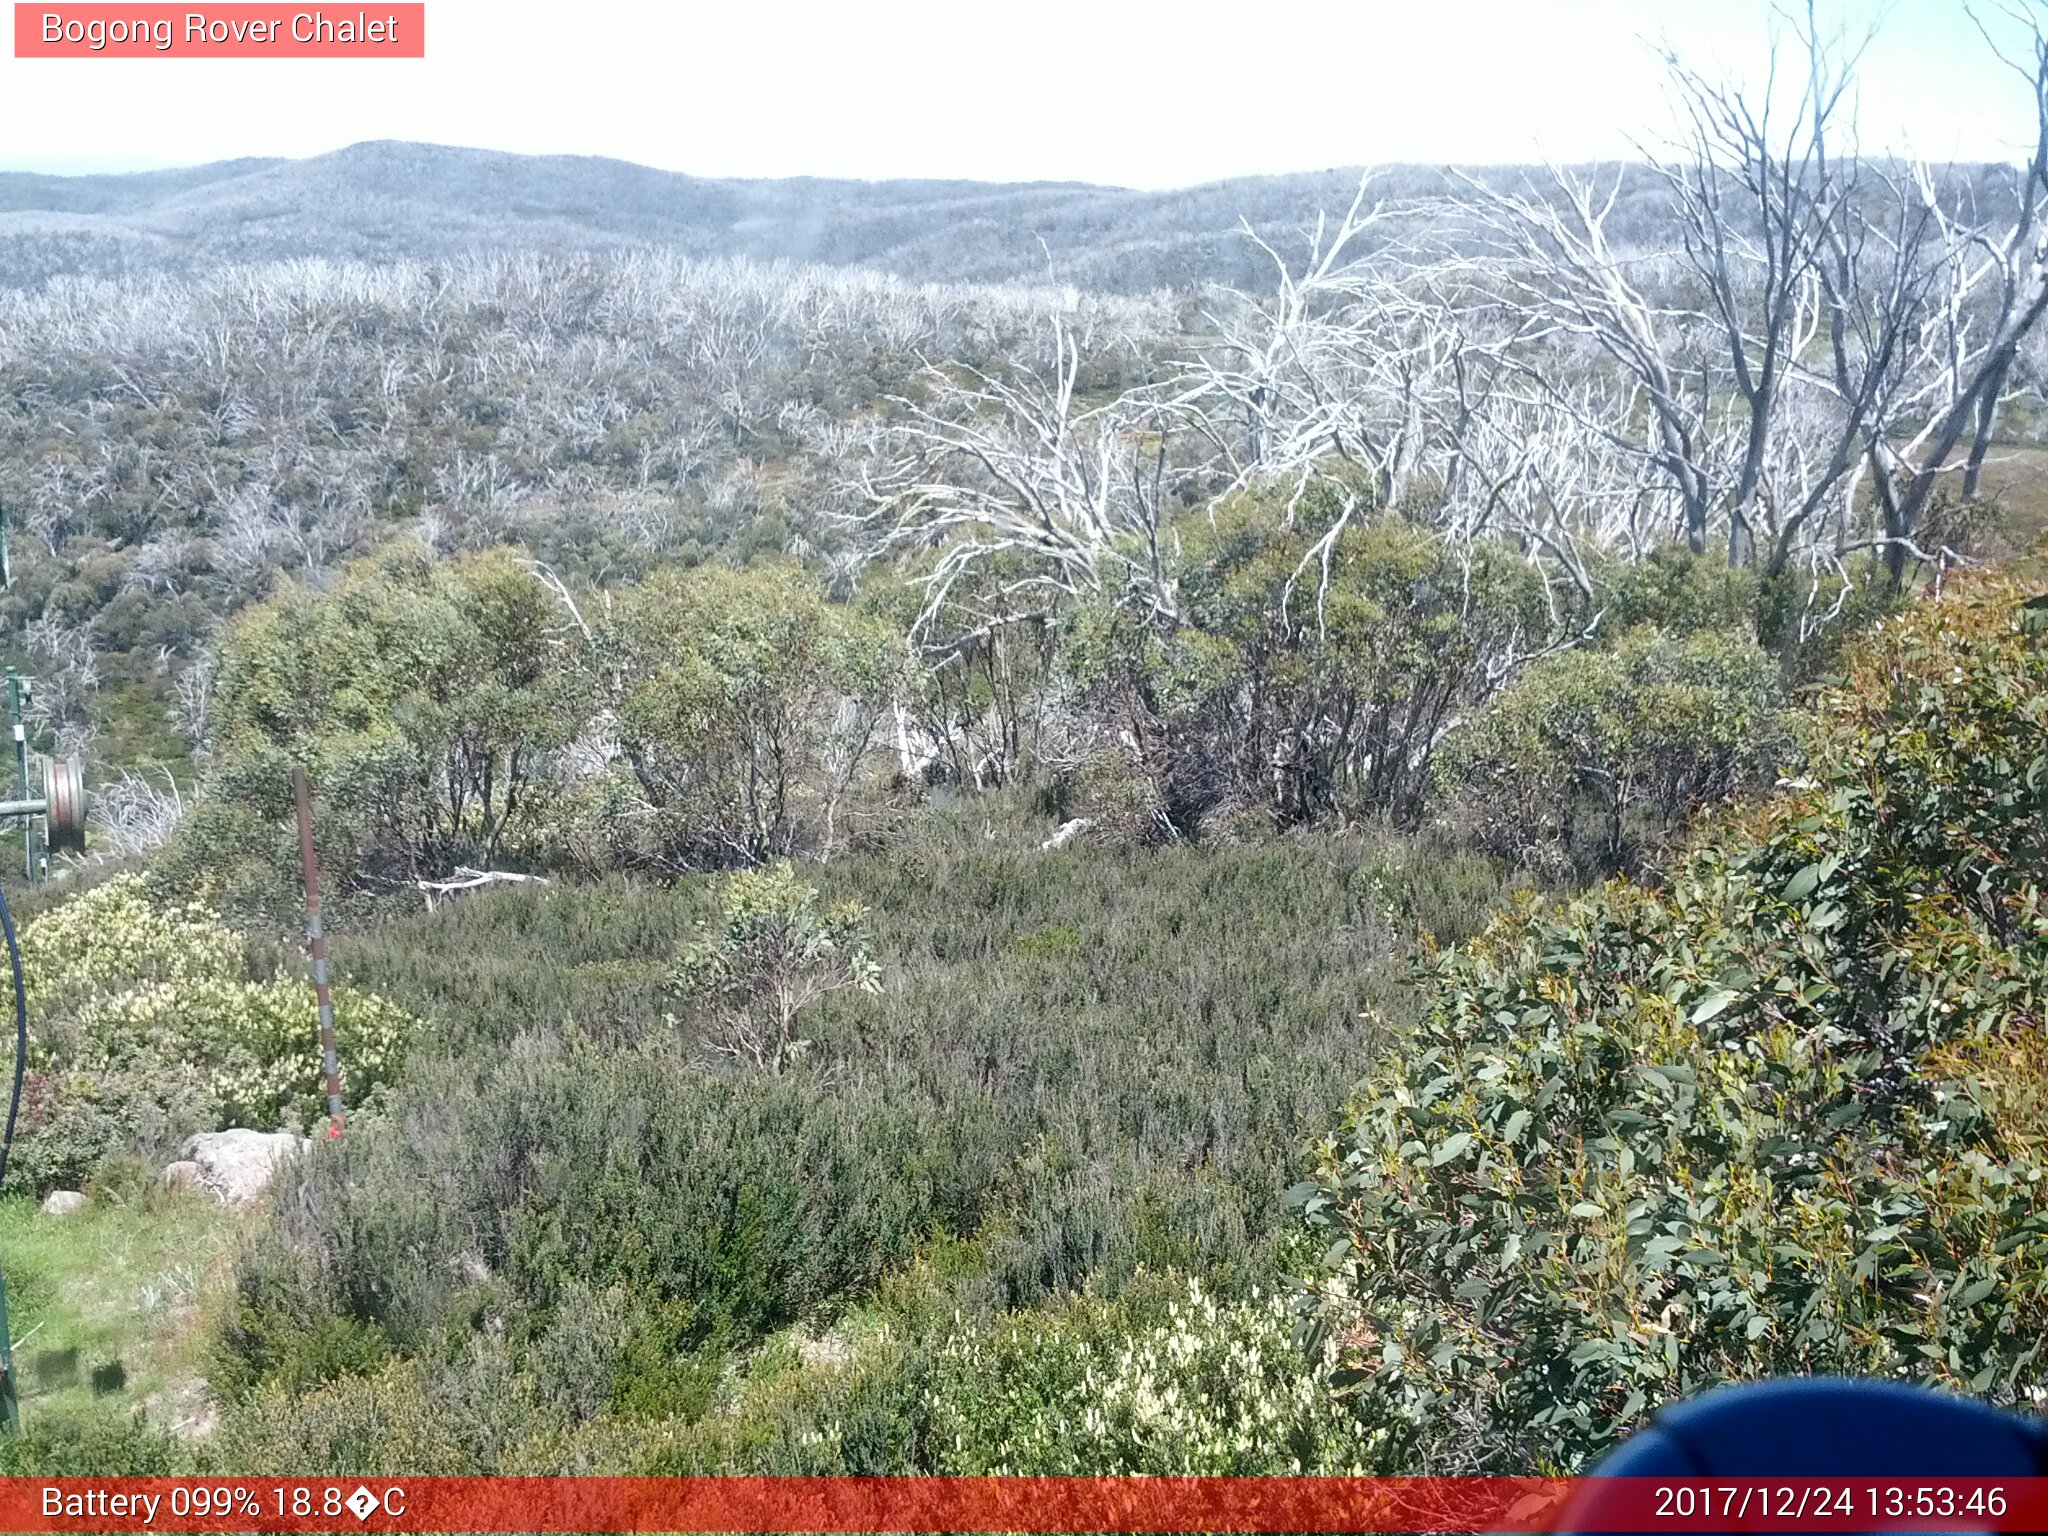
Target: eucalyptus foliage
(429, 701)
(1780, 1114)
(1598, 753)
(774, 952)
(747, 708)
(1317, 661)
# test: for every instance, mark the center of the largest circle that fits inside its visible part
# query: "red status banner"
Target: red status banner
(1062, 1504)
(222, 31)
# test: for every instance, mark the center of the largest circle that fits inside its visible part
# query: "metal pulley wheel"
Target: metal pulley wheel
(64, 793)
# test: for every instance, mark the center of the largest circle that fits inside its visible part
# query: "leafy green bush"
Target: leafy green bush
(108, 1444)
(1804, 623)
(1169, 1380)
(747, 709)
(775, 952)
(1304, 678)
(1678, 592)
(115, 935)
(147, 1027)
(398, 1420)
(1781, 1115)
(985, 702)
(1595, 756)
(429, 701)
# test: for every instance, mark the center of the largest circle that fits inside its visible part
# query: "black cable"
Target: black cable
(20, 1033)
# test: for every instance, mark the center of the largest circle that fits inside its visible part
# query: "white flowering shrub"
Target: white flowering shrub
(146, 1026)
(258, 1040)
(1168, 1380)
(113, 937)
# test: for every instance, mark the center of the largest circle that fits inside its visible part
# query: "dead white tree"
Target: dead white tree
(1355, 367)
(1361, 371)
(1023, 497)
(134, 816)
(1988, 294)
(1535, 474)
(1758, 204)
(1825, 326)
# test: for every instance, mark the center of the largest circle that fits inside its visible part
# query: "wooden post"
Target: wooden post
(316, 941)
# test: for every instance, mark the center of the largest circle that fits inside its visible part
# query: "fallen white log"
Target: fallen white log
(469, 880)
(1067, 833)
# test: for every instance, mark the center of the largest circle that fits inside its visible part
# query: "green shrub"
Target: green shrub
(985, 701)
(429, 701)
(105, 1444)
(743, 1199)
(323, 1348)
(615, 1350)
(747, 710)
(774, 954)
(1801, 620)
(393, 1421)
(1167, 1379)
(1087, 1062)
(1781, 1115)
(1679, 593)
(1303, 680)
(1595, 756)
(73, 1120)
(105, 941)
(147, 1028)
(863, 1417)
(1812, 626)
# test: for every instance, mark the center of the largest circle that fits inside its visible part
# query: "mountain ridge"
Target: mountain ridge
(386, 199)
(391, 199)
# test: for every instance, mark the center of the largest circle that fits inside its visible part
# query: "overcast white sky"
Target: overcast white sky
(1135, 92)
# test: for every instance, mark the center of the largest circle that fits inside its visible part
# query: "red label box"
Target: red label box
(220, 31)
(380, 1506)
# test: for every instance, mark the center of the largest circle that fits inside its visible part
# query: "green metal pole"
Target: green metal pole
(10, 1404)
(28, 835)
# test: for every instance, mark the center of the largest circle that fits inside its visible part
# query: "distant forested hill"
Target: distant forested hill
(384, 200)
(390, 200)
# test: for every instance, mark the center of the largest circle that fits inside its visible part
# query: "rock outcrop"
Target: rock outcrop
(236, 1167)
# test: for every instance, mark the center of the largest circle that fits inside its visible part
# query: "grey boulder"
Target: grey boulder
(236, 1167)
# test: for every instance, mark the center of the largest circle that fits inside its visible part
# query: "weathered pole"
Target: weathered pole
(316, 941)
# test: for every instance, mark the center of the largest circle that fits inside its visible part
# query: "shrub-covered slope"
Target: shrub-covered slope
(1783, 1113)
(1079, 1066)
